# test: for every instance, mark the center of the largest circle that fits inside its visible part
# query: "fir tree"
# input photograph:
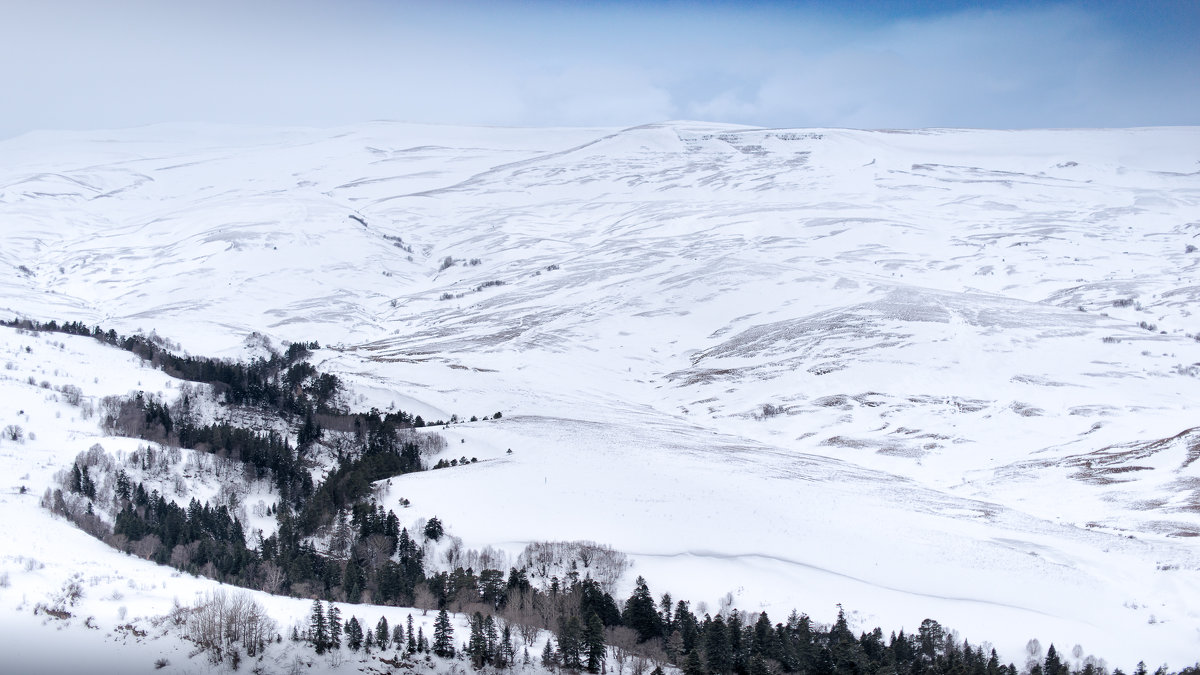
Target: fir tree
(434, 529)
(443, 635)
(317, 628)
(1052, 666)
(477, 644)
(570, 643)
(335, 626)
(382, 633)
(354, 634)
(640, 612)
(717, 651)
(491, 638)
(593, 644)
(549, 655)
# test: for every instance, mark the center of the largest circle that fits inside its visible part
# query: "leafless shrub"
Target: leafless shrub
(70, 593)
(219, 622)
(14, 432)
(72, 395)
(547, 559)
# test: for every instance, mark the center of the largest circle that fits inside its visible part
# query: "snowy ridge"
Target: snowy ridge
(937, 373)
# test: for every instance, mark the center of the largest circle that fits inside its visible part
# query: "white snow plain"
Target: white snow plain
(937, 373)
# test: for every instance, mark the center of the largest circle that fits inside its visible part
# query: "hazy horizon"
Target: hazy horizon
(774, 64)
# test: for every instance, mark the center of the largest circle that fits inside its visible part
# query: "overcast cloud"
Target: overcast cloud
(85, 64)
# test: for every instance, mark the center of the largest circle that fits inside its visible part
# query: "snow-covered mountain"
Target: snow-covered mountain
(937, 373)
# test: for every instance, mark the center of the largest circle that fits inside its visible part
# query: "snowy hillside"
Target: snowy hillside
(935, 373)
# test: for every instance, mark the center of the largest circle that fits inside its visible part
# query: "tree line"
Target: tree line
(371, 558)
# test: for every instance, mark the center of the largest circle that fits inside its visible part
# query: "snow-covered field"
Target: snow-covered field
(934, 373)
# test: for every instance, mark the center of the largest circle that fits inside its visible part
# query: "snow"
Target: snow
(929, 313)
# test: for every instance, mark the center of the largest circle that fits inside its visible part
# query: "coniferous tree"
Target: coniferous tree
(549, 655)
(317, 628)
(434, 529)
(1052, 665)
(443, 635)
(570, 645)
(593, 644)
(398, 640)
(335, 626)
(354, 634)
(717, 653)
(641, 614)
(507, 655)
(383, 634)
(491, 639)
(477, 644)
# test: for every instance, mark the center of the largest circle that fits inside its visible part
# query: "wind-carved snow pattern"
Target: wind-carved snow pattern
(941, 373)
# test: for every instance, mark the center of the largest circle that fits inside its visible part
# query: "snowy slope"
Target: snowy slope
(974, 347)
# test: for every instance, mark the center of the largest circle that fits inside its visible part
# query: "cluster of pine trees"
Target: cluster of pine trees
(200, 539)
(326, 630)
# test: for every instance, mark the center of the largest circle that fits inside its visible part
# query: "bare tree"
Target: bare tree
(14, 432)
(219, 622)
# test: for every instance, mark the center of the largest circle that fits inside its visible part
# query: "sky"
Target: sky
(84, 64)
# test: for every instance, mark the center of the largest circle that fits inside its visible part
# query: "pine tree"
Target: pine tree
(1052, 664)
(335, 626)
(434, 529)
(317, 628)
(570, 643)
(382, 633)
(716, 647)
(491, 639)
(443, 635)
(549, 655)
(593, 644)
(664, 607)
(354, 634)
(477, 645)
(507, 655)
(640, 612)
